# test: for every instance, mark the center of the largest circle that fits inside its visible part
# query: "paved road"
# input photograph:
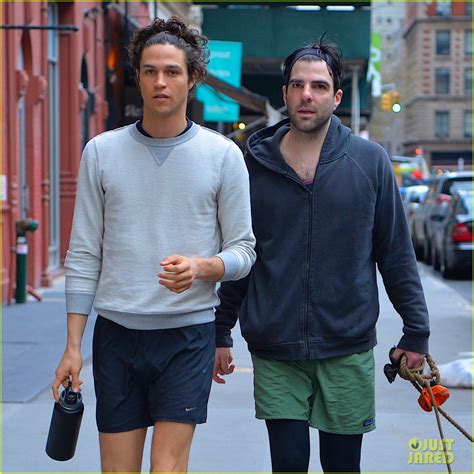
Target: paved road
(461, 285)
(233, 440)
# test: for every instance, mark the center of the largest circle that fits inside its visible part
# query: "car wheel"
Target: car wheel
(416, 246)
(434, 257)
(426, 251)
(446, 270)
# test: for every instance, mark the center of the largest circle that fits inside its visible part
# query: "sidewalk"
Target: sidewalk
(33, 340)
(232, 440)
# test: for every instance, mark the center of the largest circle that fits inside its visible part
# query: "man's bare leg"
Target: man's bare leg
(122, 452)
(170, 446)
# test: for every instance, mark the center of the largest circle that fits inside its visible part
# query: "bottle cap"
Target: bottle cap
(69, 399)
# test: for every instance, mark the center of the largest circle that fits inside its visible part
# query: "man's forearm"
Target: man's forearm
(76, 324)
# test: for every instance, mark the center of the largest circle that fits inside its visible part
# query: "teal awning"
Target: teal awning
(274, 32)
(270, 34)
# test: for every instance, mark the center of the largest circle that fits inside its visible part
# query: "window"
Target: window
(443, 42)
(468, 42)
(442, 81)
(468, 124)
(468, 81)
(468, 8)
(442, 124)
(443, 7)
(464, 205)
(54, 131)
(22, 144)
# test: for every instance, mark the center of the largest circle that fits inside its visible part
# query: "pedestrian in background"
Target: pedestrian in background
(162, 213)
(326, 213)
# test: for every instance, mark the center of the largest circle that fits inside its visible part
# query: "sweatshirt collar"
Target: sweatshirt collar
(163, 142)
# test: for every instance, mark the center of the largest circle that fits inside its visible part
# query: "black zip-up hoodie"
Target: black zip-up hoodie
(312, 292)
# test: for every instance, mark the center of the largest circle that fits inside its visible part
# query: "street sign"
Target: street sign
(226, 64)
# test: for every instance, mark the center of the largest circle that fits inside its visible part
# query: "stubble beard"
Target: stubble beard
(309, 127)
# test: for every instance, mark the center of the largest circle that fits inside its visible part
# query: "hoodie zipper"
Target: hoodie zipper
(309, 253)
(306, 289)
(307, 277)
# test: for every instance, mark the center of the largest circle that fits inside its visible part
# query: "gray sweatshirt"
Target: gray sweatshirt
(141, 199)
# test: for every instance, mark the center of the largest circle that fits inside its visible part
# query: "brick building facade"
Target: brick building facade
(438, 82)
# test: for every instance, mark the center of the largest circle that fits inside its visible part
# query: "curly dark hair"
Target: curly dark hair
(321, 50)
(175, 32)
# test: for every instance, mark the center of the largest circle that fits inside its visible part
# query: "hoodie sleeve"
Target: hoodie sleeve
(231, 294)
(397, 263)
(238, 241)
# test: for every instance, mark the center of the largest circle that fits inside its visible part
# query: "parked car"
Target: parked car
(452, 243)
(435, 205)
(412, 201)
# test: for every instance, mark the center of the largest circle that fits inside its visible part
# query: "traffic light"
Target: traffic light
(386, 101)
(395, 101)
(390, 101)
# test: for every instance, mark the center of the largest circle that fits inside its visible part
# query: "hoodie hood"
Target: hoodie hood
(264, 145)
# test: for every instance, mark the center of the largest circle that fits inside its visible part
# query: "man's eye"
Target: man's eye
(173, 73)
(149, 72)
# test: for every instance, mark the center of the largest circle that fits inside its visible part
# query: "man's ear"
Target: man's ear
(284, 89)
(337, 98)
(192, 80)
(137, 77)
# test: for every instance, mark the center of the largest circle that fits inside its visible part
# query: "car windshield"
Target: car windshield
(460, 186)
(459, 183)
(467, 203)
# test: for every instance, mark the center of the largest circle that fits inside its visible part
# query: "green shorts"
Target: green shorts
(335, 395)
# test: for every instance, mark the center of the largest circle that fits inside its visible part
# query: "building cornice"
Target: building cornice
(433, 20)
(436, 98)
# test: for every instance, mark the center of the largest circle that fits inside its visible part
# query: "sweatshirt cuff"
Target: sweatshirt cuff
(79, 303)
(232, 265)
(414, 343)
(223, 340)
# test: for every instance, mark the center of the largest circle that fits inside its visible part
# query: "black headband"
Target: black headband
(304, 52)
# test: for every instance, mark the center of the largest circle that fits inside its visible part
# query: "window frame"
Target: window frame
(444, 8)
(438, 71)
(466, 122)
(467, 42)
(467, 81)
(438, 44)
(438, 129)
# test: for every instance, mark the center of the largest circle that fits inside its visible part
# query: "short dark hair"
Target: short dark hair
(322, 50)
(175, 32)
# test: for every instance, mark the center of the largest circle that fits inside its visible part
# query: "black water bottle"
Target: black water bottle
(65, 424)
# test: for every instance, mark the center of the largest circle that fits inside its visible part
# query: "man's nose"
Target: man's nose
(160, 80)
(307, 92)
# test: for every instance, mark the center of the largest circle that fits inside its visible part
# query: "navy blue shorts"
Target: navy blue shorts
(141, 377)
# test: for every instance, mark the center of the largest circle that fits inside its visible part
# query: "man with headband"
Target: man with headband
(326, 213)
(162, 213)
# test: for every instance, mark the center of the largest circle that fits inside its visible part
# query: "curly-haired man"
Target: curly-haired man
(162, 213)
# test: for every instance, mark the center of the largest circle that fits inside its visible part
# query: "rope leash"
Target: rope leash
(420, 381)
